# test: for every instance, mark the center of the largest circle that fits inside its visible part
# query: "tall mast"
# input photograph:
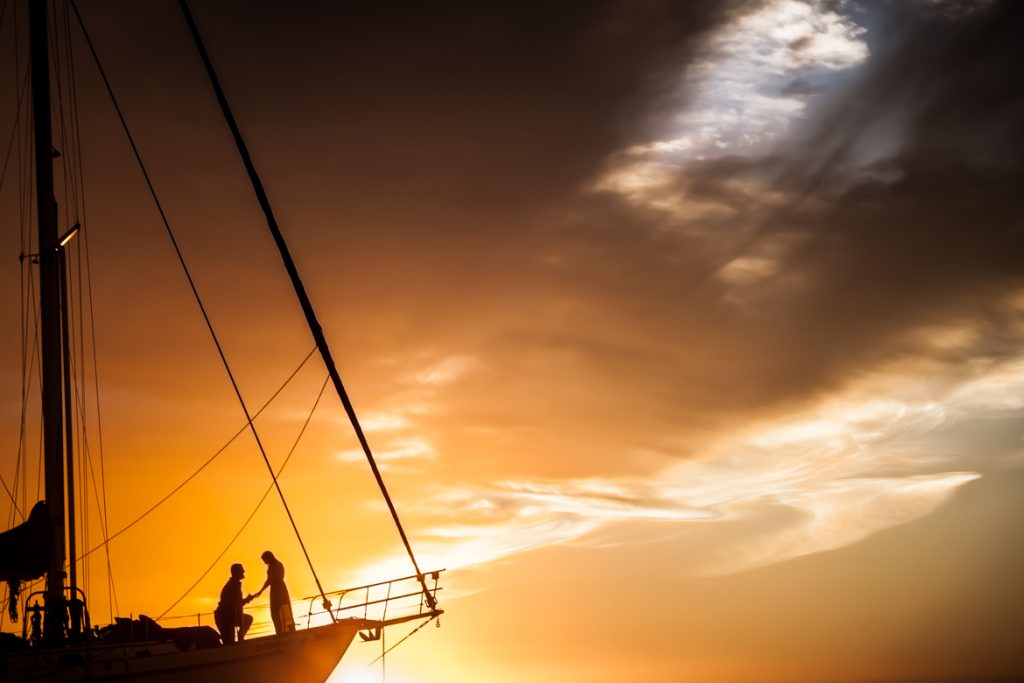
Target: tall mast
(50, 322)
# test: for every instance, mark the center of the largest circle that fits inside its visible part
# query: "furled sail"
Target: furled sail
(25, 552)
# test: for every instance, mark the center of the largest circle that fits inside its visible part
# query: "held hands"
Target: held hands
(249, 598)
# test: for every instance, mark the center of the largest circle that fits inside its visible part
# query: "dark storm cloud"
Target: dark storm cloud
(866, 253)
(463, 139)
(448, 153)
(479, 104)
(932, 231)
(950, 88)
(487, 105)
(421, 139)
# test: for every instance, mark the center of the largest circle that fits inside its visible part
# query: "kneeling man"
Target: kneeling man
(229, 616)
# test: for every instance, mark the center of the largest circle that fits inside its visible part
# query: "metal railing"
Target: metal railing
(373, 601)
(403, 598)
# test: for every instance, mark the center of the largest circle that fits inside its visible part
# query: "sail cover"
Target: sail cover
(25, 549)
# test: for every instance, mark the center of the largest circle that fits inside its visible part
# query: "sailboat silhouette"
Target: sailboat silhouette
(64, 645)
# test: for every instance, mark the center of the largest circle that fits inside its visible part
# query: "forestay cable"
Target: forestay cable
(304, 302)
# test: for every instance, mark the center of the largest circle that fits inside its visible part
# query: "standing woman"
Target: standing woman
(280, 603)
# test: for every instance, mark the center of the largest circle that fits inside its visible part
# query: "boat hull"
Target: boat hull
(307, 656)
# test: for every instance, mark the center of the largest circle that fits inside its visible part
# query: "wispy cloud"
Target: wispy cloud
(392, 450)
(446, 370)
(850, 467)
(872, 313)
(837, 513)
(384, 422)
(396, 430)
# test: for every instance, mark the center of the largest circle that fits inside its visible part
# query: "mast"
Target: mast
(49, 318)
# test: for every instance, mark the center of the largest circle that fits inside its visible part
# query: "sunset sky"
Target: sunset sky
(689, 335)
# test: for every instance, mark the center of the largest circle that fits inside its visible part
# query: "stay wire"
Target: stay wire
(209, 460)
(407, 636)
(86, 293)
(26, 183)
(88, 470)
(195, 291)
(60, 141)
(10, 494)
(22, 459)
(60, 43)
(255, 509)
(304, 302)
(22, 130)
(74, 166)
(272, 224)
(14, 129)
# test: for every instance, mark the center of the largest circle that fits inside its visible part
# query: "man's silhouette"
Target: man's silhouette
(229, 615)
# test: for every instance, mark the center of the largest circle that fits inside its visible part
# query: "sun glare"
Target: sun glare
(357, 673)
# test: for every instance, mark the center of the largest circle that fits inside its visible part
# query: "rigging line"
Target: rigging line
(300, 291)
(14, 499)
(407, 636)
(27, 364)
(104, 517)
(22, 460)
(99, 491)
(71, 147)
(14, 130)
(87, 291)
(62, 21)
(258, 504)
(28, 358)
(66, 96)
(76, 122)
(58, 91)
(257, 186)
(26, 179)
(24, 159)
(209, 460)
(102, 494)
(195, 291)
(87, 468)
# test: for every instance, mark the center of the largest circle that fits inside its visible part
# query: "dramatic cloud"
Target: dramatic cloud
(853, 466)
(740, 276)
(859, 284)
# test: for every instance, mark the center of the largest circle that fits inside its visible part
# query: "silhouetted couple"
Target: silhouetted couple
(232, 622)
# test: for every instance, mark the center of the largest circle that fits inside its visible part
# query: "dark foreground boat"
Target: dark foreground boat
(62, 645)
(306, 655)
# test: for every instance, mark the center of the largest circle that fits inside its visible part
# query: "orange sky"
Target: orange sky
(687, 334)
